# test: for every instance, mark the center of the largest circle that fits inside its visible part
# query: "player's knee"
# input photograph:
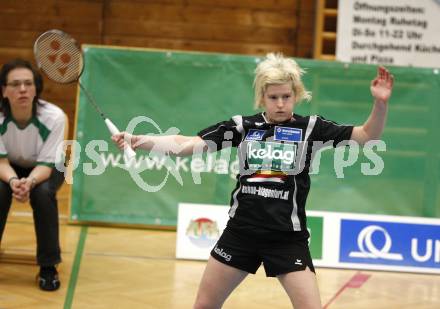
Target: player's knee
(42, 194)
(205, 303)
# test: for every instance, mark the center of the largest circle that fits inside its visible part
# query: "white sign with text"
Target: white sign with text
(389, 32)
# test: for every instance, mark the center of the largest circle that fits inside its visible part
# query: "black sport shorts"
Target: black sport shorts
(246, 247)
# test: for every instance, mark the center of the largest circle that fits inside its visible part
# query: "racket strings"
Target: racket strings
(59, 57)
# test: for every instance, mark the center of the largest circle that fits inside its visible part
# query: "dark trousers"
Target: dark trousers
(45, 212)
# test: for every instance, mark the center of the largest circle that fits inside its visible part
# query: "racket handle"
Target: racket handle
(128, 152)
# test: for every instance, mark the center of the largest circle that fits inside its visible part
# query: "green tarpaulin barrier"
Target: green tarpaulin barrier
(168, 92)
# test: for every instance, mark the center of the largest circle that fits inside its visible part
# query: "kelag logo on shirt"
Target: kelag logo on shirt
(271, 156)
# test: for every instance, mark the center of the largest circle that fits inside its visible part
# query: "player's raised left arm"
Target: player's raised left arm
(381, 89)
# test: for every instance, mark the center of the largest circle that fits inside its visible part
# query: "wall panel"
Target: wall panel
(250, 27)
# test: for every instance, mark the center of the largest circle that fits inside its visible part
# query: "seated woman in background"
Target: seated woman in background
(30, 131)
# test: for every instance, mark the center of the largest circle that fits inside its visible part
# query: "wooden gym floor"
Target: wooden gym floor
(135, 268)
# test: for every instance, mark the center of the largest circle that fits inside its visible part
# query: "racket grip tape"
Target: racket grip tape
(128, 152)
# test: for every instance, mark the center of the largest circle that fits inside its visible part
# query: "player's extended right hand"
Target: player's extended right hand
(124, 139)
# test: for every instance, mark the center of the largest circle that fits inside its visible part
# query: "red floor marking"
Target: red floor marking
(355, 282)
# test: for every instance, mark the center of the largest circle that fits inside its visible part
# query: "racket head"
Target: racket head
(59, 56)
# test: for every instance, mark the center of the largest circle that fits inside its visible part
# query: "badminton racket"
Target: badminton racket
(60, 57)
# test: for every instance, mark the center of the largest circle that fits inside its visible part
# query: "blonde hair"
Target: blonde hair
(276, 69)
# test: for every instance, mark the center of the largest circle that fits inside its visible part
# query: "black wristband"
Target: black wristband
(11, 179)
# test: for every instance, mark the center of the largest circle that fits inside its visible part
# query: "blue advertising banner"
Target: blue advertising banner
(389, 243)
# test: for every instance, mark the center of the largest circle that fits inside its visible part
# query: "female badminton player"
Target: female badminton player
(267, 222)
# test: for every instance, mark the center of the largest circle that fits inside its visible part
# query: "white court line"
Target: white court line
(29, 214)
